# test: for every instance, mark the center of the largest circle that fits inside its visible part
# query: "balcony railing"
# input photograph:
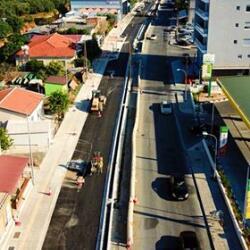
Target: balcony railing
(203, 32)
(205, 1)
(202, 14)
(200, 46)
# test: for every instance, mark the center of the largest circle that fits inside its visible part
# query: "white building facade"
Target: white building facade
(222, 27)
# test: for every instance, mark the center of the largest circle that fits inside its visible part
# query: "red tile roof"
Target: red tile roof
(56, 80)
(4, 93)
(11, 169)
(54, 45)
(20, 100)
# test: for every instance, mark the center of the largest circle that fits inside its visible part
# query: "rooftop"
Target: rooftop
(237, 89)
(56, 80)
(19, 100)
(54, 45)
(11, 169)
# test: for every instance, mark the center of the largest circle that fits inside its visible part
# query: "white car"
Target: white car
(166, 107)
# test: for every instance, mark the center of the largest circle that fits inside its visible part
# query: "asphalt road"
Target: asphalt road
(75, 221)
(158, 219)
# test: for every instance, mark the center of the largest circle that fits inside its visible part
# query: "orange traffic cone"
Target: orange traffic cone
(135, 200)
(17, 221)
(49, 192)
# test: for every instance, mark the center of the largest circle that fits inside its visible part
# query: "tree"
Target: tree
(58, 103)
(15, 22)
(34, 66)
(93, 49)
(55, 68)
(5, 29)
(5, 141)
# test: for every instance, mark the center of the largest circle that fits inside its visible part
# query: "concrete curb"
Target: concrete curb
(130, 233)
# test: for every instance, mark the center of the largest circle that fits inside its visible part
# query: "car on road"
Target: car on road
(189, 240)
(178, 187)
(151, 37)
(79, 166)
(166, 108)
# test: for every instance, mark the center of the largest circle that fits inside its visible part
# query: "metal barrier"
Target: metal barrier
(112, 174)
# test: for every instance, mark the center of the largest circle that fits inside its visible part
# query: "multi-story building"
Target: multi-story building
(110, 6)
(222, 27)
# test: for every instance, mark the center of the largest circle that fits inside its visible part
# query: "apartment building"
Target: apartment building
(222, 27)
(98, 6)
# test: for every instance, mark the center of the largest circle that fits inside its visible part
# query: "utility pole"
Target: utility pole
(85, 59)
(30, 151)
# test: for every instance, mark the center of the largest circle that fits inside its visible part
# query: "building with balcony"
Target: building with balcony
(222, 27)
(118, 7)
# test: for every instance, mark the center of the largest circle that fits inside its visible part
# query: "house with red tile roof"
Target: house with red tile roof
(15, 186)
(20, 104)
(47, 48)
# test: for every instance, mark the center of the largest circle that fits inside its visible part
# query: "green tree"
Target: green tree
(15, 22)
(34, 66)
(55, 68)
(58, 103)
(5, 141)
(14, 43)
(5, 29)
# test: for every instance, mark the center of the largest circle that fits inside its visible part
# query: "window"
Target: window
(246, 41)
(235, 41)
(247, 25)
(237, 7)
(240, 56)
(236, 25)
(248, 8)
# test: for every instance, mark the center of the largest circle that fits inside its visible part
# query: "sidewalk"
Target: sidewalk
(38, 208)
(210, 194)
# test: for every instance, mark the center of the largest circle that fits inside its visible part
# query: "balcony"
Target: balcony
(205, 1)
(203, 32)
(200, 46)
(202, 14)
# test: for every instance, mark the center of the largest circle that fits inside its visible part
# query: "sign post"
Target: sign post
(247, 198)
(207, 68)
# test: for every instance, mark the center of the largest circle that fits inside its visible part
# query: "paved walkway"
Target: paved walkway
(210, 194)
(38, 208)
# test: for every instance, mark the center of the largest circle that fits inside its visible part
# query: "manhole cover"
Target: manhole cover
(11, 248)
(16, 235)
(142, 134)
(197, 149)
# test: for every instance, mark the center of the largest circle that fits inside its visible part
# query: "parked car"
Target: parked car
(79, 166)
(166, 108)
(178, 187)
(189, 240)
(153, 37)
(182, 42)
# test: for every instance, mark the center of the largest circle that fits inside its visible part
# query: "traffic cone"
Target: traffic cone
(49, 192)
(17, 221)
(135, 200)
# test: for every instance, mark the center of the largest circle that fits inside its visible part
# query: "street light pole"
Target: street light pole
(215, 151)
(30, 152)
(185, 73)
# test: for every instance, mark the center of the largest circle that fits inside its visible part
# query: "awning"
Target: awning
(237, 90)
(182, 14)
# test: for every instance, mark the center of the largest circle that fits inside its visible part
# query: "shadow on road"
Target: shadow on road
(168, 242)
